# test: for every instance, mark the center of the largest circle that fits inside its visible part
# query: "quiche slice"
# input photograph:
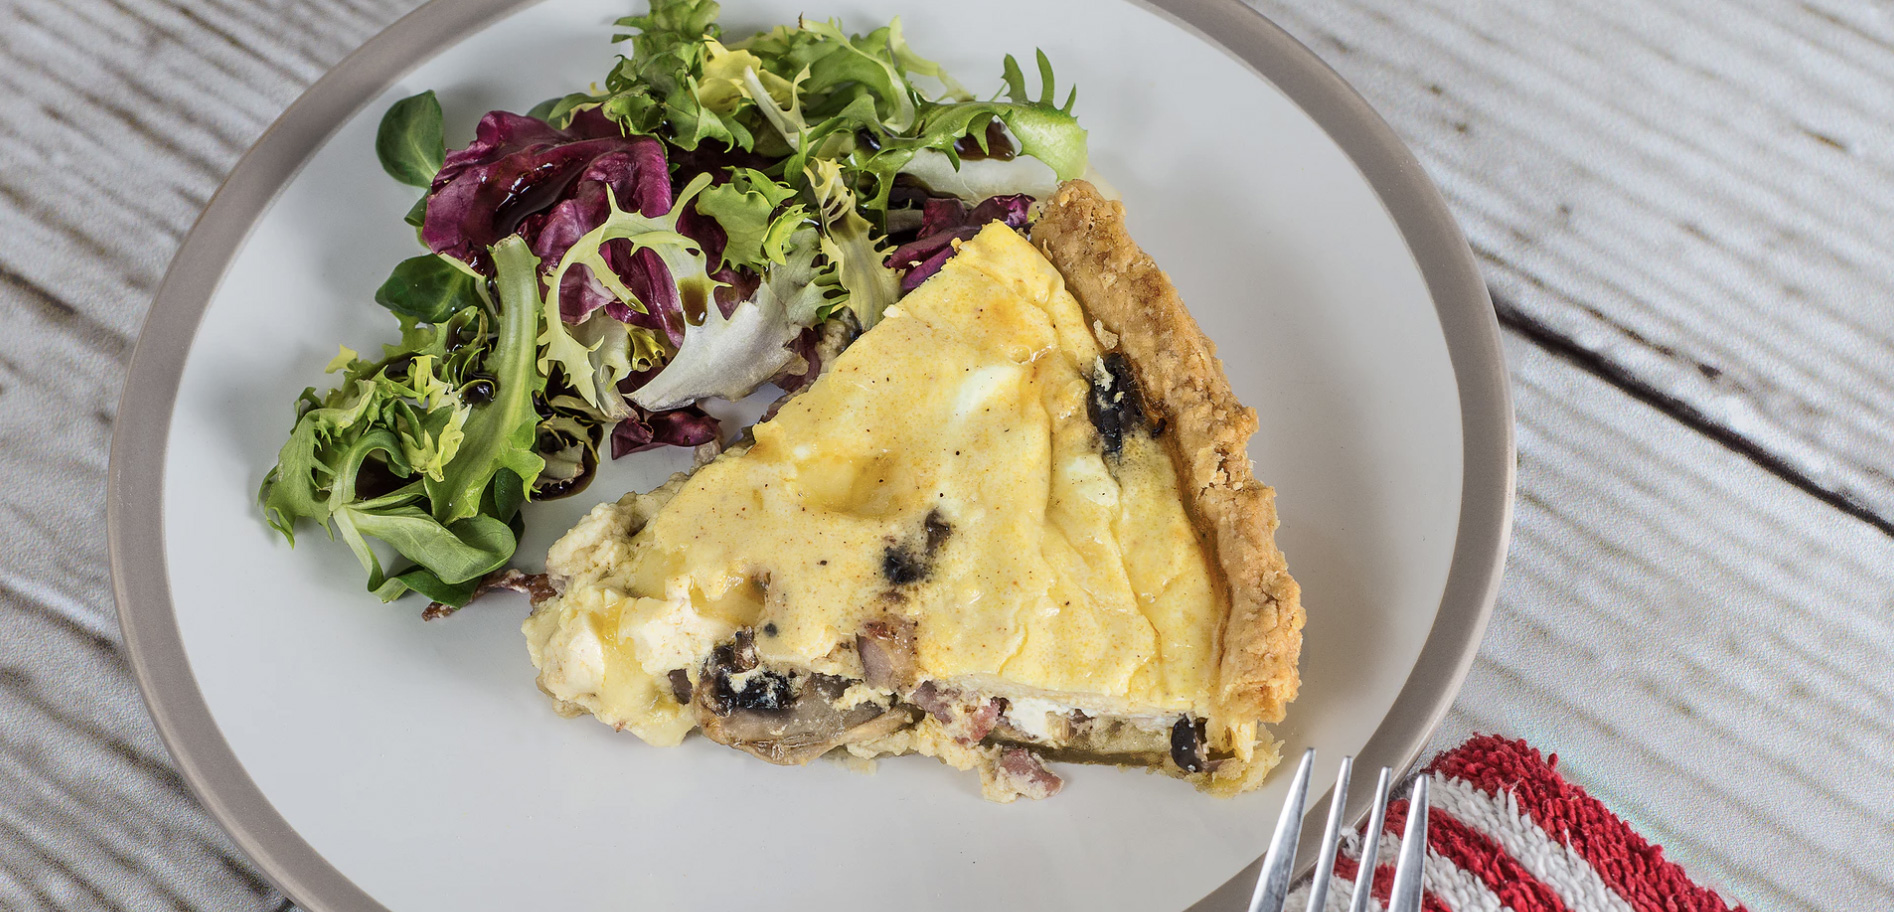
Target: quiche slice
(1013, 522)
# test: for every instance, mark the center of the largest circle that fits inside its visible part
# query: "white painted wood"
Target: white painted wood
(1704, 646)
(1699, 193)
(1702, 193)
(117, 122)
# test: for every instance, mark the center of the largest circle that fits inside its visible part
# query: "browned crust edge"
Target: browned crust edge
(1083, 235)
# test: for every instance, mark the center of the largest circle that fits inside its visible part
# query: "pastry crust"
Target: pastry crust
(1083, 235)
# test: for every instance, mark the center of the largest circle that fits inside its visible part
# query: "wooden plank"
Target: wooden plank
(1699, 197)
(92, 816)
(118, 118)
(1703, 646)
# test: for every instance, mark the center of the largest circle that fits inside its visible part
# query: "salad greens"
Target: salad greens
(706, 222)
(409, 142)
(427, 448)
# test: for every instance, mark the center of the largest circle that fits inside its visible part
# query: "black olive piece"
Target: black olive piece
(1115, 406)
(540, 406)
(901, 566)
(911, 562)
(737, 655)
(1187, 738)
(869, 140)
(763, 691)
(681, 686)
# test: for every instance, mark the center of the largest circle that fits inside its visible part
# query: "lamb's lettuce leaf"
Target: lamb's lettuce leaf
(430, 288)
(409, 142)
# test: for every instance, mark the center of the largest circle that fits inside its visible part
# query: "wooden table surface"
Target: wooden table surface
(1686, 215)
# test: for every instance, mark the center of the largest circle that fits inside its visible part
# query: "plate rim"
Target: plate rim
(135, 475)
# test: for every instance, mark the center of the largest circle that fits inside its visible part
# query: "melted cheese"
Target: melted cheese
(1053, 570)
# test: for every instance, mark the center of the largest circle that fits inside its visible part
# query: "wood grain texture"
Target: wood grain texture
(1700, 194)
(118, 119)
(1689, 201)
(1704, 646)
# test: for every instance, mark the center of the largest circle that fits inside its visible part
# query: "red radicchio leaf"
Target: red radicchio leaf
(808, 345)
(650, 281)
(521, 174)
(689, 426)
(944, 221)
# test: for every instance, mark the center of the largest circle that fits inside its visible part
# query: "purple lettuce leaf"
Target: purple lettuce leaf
(944, 221)
(522, 175)
(643, 430)
(807, 344)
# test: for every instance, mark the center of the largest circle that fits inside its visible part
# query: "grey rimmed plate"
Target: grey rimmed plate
(368, 760)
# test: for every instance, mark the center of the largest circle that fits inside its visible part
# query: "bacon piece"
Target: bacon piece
(965, 717)
(1018, 771)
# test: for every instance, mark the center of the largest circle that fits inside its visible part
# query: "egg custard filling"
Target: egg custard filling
(976, 537)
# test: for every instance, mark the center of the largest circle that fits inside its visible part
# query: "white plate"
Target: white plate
(368, 759)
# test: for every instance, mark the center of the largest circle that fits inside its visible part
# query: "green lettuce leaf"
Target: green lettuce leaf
(430, 288)
(500, 434)
(853, 245)
(746, 206)
(409, 143)
(1045, 132)
(461, 552)
(655, 90)
(445, 471)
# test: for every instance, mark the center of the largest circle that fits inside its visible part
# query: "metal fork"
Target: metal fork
(1405, 896)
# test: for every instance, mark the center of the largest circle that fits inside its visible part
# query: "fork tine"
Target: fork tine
(1405, 896)
(1371, 842)
(1273, 884)
(1325, 862)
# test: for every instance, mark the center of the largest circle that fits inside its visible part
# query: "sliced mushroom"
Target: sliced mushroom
(788, 718)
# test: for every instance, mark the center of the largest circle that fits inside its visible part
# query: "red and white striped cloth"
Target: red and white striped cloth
(1506, 832)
